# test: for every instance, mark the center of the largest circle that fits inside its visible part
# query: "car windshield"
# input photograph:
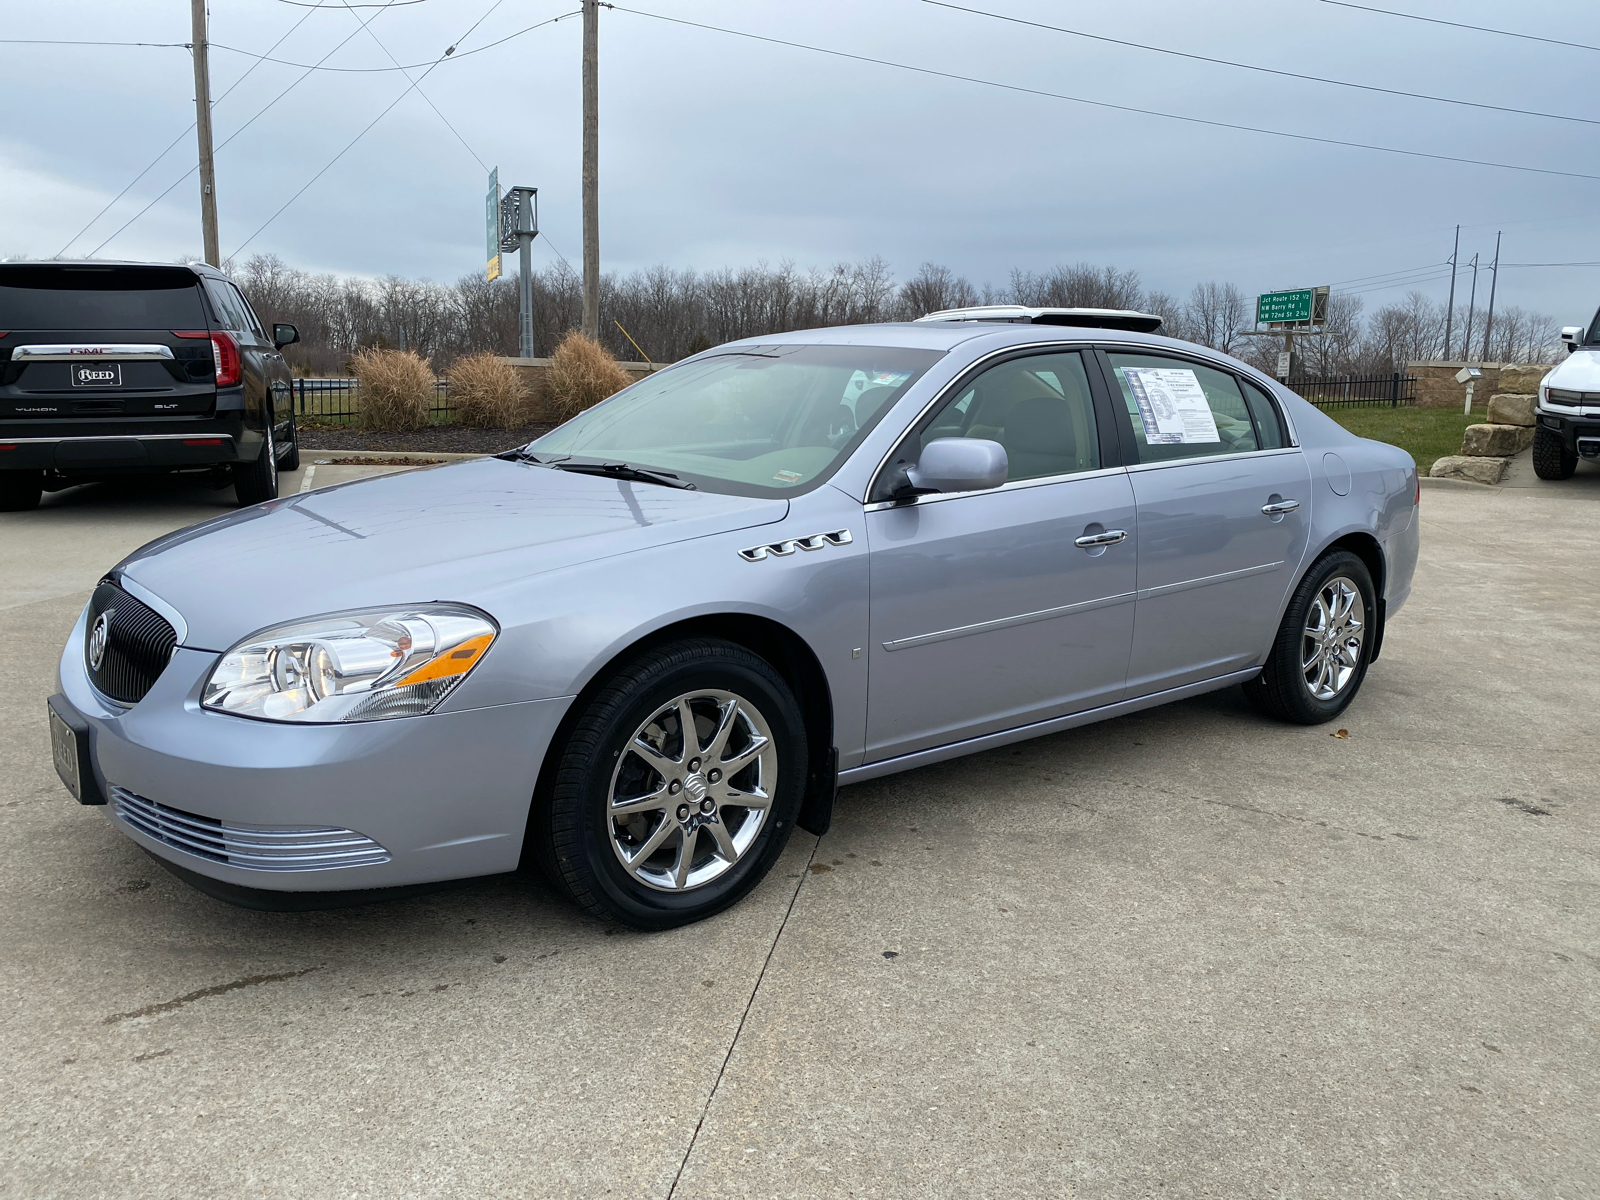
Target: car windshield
(759, 420)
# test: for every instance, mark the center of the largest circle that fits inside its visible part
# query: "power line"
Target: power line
(174, 142)
(59, 42)
(1565, 264)
(1344, 83)
(449, 54)
(1148, 112)
(1527, 37)
(352, 9)
(412, 86)
(235, 133)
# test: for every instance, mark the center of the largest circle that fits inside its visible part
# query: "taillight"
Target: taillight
(224, 352)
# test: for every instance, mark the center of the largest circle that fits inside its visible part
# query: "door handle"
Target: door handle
(1109, 538)
(1282, 506)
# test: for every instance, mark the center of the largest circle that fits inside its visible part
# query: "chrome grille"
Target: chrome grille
(138, 647)
(253, 847)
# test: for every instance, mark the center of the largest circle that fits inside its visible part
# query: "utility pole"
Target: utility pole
(202, 128)
(1494, 278)
(1472, 304)
(1450, 309)
(591, 167)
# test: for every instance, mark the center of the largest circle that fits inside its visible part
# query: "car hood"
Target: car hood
(1579, 373)
(444, 533)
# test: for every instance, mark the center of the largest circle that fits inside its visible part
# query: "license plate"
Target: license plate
(96, 374)
(69, 747)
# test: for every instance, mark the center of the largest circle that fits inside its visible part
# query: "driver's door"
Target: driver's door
(985, 612)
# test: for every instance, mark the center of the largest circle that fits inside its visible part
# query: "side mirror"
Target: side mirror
(959, 465)
(284, 335)
(1570, 334)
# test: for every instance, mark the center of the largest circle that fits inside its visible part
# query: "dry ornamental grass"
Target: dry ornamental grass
(396, 388)
(486, 393)
(582, 373)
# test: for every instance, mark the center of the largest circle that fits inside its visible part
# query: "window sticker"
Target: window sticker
(788, 476)
(890, 378)
(1172, 405)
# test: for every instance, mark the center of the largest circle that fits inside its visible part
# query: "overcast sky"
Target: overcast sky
(718, 150)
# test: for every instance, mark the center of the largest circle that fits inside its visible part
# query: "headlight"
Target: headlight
(354, 666)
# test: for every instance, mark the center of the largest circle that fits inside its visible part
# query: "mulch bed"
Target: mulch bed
(436, 439)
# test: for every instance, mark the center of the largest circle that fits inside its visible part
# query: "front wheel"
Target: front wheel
(1320, 655)
(1551, 458)
(677, 788)
(257, 482)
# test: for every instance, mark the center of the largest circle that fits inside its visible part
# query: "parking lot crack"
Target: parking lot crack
(743, 1017)
(150, 1010)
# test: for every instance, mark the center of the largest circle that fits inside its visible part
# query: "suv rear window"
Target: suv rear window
(71, 298)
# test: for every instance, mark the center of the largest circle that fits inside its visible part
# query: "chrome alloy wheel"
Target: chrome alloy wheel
(1335, 628)
(692, 790)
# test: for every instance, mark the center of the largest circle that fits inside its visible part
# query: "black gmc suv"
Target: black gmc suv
(115, 368)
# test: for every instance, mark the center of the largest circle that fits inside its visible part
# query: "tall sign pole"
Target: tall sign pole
(202, 127)
(519, 225)
(591, 167)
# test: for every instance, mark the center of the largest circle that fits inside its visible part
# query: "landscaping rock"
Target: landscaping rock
(1473, 470)
(1495, 441)
(1524, 378)
(1511, 409)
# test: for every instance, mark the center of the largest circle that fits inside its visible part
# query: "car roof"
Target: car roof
(987, 335)
(197, 269)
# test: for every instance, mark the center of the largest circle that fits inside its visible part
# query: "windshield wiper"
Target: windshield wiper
(622, 470)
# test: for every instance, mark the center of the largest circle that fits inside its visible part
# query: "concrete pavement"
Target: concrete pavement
(1185, 953)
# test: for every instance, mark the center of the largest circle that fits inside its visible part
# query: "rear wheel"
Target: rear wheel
(256, 482)
(677, 788)
(20, 490)
(1551, 458)
(1320, 656)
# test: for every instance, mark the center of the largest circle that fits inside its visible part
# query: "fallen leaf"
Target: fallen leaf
(1343, 733)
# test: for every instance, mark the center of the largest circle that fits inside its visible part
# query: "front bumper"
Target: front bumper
(442, 797)
(103, 445)
(1579, 430)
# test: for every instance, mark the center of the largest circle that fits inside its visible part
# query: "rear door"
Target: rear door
(90, 342)
(1223, 512)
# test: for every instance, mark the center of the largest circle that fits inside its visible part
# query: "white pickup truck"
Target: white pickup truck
(1568, 420)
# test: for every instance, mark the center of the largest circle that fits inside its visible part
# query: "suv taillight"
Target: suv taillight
(224, 351)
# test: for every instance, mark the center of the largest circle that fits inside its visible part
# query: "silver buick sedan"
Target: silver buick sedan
(640, 650)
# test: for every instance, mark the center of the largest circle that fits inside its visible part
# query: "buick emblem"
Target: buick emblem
(98, 637)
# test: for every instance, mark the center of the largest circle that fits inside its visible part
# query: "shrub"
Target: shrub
(396, 388)
(581, 374)
(487, 393)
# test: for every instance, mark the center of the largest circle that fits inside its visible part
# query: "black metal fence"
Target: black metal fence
(1376, 391)
(335, 402)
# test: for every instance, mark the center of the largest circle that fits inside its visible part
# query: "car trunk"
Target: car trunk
(88, 342)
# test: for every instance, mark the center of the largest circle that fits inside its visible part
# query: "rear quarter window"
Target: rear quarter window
(64, 300)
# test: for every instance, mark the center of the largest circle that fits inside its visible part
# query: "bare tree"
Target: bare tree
(1215, 315)
(932, 289)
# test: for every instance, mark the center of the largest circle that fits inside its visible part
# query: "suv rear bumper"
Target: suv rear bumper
(113, 446)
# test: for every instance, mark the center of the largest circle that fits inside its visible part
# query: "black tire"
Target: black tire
(571, 831)
(257, 482)
(20, 490)
(1282, 690)
(1551, 458)
(290, 459)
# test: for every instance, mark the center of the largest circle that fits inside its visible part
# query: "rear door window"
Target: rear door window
(1182, 409)
(64, 299)
(230, 306)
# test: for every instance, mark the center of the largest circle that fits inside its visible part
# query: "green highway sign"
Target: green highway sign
(1276, 307)
(492, 224)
